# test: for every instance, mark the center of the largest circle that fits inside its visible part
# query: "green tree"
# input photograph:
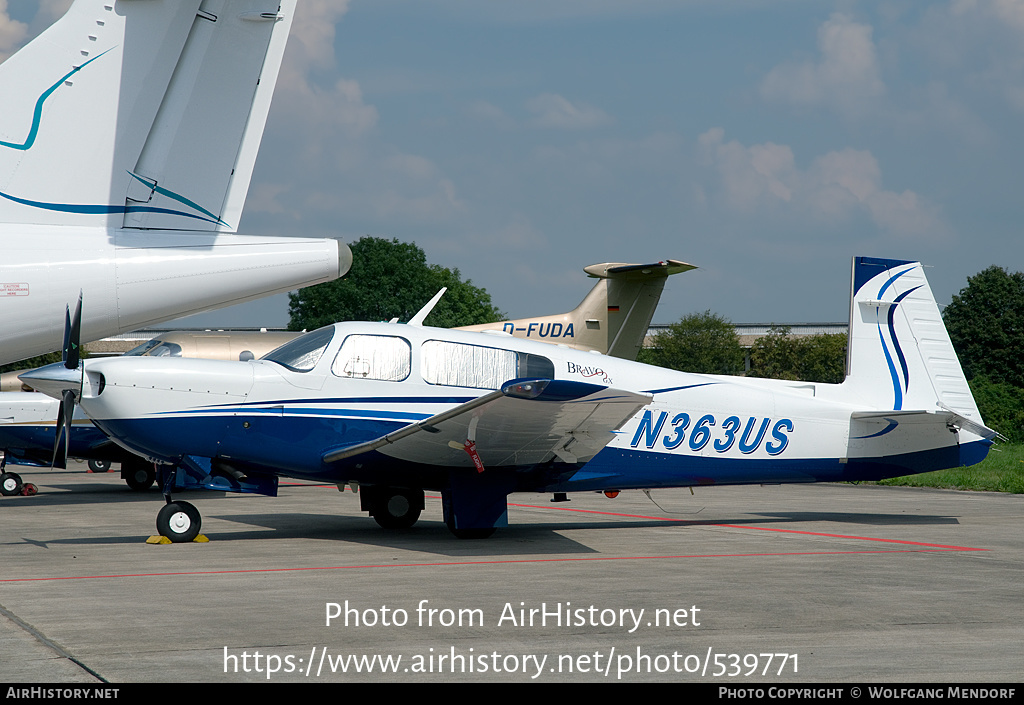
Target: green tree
(813, 358)
(1001, 406)
(824, 358)
(391, 279)
(774, 355)
(700, 342)
(986, 325)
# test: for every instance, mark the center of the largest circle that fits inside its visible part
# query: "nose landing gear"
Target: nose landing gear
(179, 521)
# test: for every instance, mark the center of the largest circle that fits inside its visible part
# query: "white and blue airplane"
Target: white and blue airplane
(399, 409)
(128, 135)
(613, 319)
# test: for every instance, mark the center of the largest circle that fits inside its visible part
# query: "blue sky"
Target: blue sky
(766, 142)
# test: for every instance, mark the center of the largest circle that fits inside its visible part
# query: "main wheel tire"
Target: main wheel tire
(398, 509)
(179, 521)
(10, 484)
(140, 477)
(99, 465)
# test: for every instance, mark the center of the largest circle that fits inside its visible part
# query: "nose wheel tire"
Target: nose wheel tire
(10, 484)
(179, 521)
(99, 465)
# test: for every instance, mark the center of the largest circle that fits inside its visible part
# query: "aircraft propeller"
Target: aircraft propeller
(71, 356)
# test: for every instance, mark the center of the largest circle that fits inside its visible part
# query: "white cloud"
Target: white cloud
(845, 78)
(1008, 12)
(488, 112)
(836, 187)
(553, 110)
(322, 109)
(967, 32)
(765, 172)
(330, 164)
(12, 32)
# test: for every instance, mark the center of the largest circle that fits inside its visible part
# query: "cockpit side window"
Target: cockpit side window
(535, 366)
(459, 365)
(302, 354)
(380, 357)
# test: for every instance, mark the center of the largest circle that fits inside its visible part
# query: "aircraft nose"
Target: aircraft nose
(53, 379)
(140, 386)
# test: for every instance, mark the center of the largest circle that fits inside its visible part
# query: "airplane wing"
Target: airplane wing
(945, 416)
(527, 421)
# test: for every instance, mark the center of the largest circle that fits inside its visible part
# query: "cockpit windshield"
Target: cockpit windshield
(302, 354)
(142, 349)
(156, 348)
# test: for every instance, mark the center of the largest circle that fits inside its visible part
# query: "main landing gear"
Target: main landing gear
(391, 507)
(138, 474)
(99, 466)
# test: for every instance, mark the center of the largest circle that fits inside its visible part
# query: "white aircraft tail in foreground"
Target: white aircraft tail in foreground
(398, 409)
(128, 135)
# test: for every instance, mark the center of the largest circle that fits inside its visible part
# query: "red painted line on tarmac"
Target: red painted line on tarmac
(468, 563)
(918, 547)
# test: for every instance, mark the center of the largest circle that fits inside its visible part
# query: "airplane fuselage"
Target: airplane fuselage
(262, 418)
(134, 278)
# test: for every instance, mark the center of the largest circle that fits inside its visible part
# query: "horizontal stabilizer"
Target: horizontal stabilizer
(527, 421)
(945, 417)
(614, 270)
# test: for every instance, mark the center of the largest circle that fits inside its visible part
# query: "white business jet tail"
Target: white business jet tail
(128, 134)
(140, 114)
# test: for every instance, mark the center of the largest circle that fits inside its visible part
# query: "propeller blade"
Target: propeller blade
(73, 337)
(67, 334)
(65, 413)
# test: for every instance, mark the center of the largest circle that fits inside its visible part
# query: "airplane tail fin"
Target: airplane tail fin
(140, 114)
(899, 355)
(614, 316)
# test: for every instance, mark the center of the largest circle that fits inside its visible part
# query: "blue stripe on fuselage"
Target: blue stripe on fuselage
(293, 446)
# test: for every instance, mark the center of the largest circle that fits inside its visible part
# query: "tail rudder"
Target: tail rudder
(143, 114)
(900, 356)
(614, 316)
